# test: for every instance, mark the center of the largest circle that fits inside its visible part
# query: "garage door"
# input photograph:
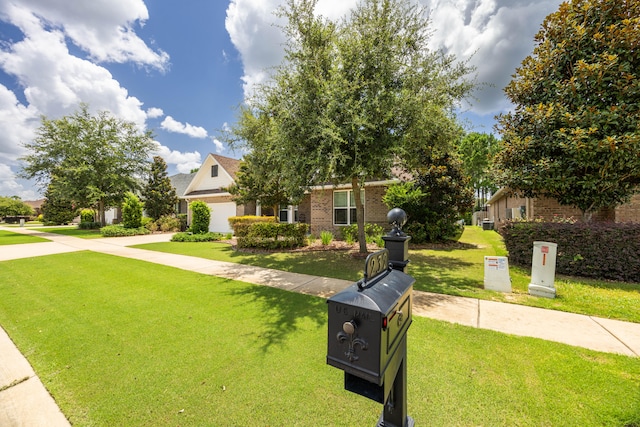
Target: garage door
(220, 213)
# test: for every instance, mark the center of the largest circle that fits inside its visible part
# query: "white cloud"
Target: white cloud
(154, 113)
(250, 24)
(17, 125)
(8, 184)
(498, 33)
(69, 80)
(171, 125)
(103, 28)
(219, 145)
(184, 162)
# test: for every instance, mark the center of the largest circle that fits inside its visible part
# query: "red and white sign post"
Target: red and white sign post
(543, 269)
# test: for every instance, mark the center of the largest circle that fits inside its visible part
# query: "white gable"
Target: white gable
(205, 181)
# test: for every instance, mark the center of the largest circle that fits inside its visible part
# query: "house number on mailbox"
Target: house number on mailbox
(376, 263)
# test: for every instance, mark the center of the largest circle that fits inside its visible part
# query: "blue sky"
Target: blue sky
(181, 69)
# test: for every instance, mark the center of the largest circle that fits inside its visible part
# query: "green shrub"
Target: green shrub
(241, 224)
(599, 250)
(190, 237)
(379, 241)
(326, 237)
(168, 223)
(89, 225)
(371, 232)
(119, 230)
(201, 217)
(87, 215)
(269, 235)
(132, 211)
(149, 224)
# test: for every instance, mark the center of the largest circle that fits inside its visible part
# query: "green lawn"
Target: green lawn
(123, 342)
(10, 238)
(453, 270)
(74, 231)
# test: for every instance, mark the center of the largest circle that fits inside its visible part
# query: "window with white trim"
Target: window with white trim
(344, 207)
(286, 211)
(214, 171)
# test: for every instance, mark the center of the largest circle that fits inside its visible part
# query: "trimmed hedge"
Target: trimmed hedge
(241, 224)
(202, 237)
(119, 230)
(270, 235)
(89, 225)
(598, 250)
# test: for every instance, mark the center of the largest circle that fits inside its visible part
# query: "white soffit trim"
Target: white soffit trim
(366, 184)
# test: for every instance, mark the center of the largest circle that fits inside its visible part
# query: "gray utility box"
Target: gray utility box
(367, 327)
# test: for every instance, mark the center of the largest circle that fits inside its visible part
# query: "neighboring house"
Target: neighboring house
(502, 207)
(208, 185)
(324, 208)
(180, 183)
(36, 205)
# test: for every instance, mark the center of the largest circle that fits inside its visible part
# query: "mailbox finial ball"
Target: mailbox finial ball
(397, 218)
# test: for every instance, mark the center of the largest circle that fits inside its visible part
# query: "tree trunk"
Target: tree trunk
(362, 240)
(101, 213)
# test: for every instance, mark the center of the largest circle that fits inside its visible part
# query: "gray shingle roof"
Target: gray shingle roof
(181, 181)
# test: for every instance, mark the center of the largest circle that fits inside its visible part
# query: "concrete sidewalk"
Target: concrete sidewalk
(579, 330)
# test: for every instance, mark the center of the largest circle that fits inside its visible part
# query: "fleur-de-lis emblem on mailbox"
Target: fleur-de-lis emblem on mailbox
(348, 330)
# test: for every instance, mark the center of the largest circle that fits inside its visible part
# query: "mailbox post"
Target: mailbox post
(367, 336)
(396, 241)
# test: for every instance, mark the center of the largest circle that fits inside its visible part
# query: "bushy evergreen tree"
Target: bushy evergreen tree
(132, 211)
(158, 194)
(56, 209)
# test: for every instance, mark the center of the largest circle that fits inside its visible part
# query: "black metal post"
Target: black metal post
(398, 247)
(394, 413)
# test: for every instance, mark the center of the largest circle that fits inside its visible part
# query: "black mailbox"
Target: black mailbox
(368, 323)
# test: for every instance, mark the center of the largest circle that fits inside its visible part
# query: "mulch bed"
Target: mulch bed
(352, 249)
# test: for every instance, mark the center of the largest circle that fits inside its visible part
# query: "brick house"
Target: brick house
(502, 207)
(324, 208)
(329, 208)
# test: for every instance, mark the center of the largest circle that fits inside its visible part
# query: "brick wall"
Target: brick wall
(319, 209)
(629, 212)
(501, 210)
(547, 208)
(375, 210)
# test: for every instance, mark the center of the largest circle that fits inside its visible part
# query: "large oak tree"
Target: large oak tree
(94, 159)
(355, 97)
(575, 132)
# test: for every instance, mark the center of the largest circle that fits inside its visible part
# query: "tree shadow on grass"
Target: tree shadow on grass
(283, 311)
(444, 247)
(444, 275)
(333, 264)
